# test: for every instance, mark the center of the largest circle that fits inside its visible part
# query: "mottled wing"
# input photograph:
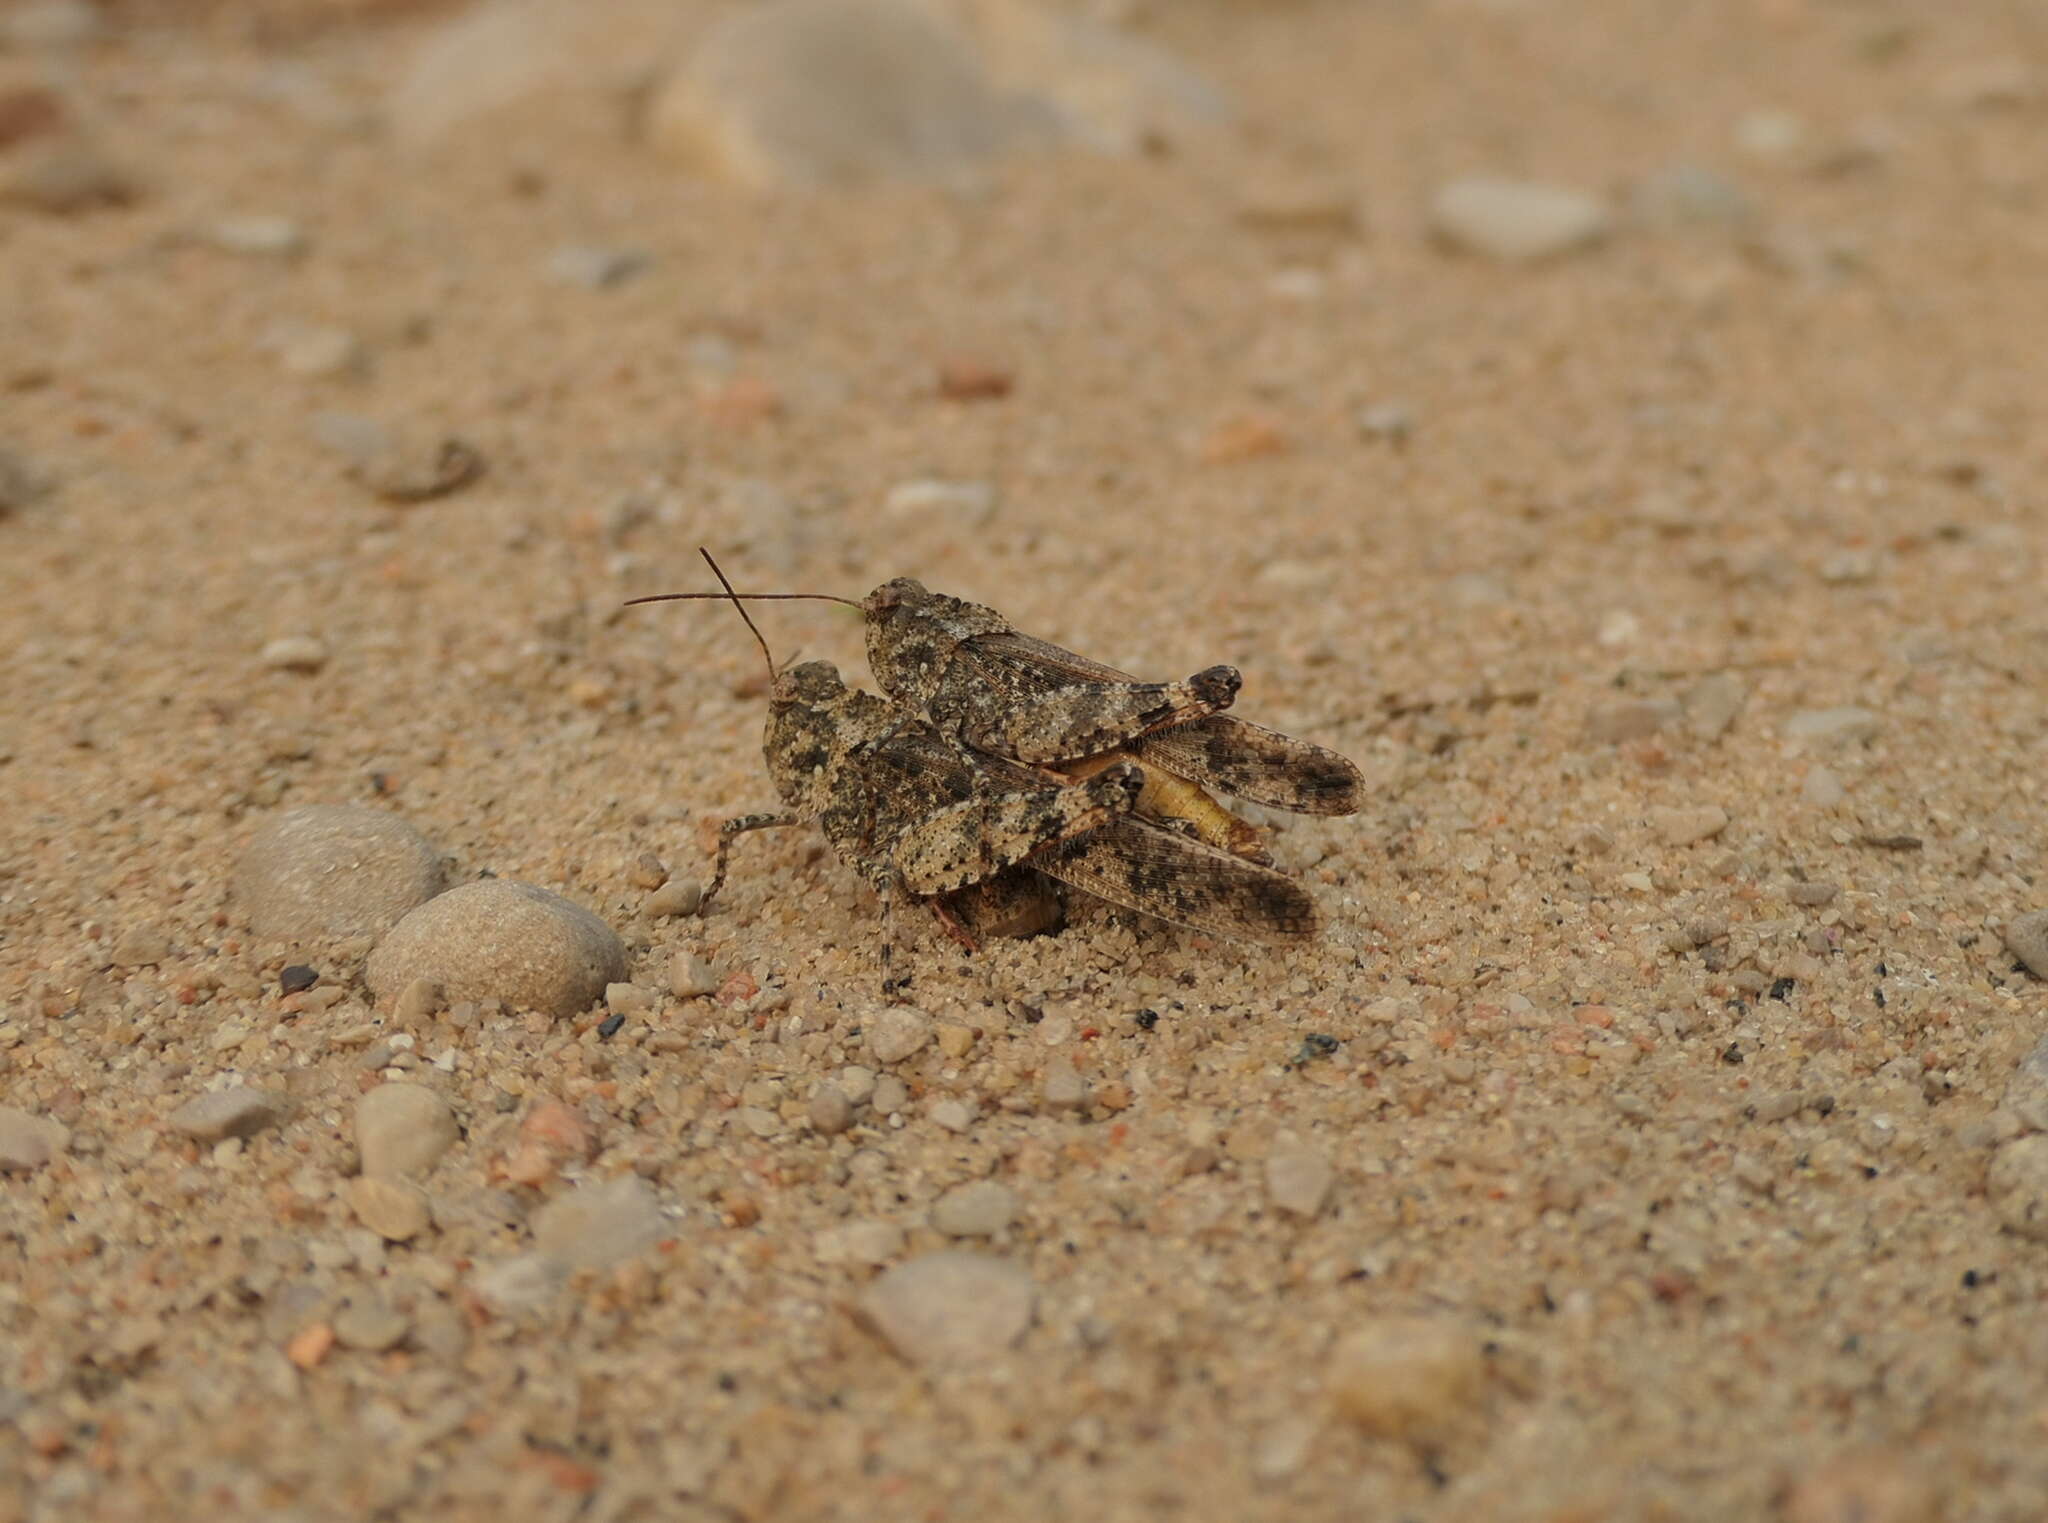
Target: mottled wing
(1219, 751)
(1175, 877)
(1249, 761)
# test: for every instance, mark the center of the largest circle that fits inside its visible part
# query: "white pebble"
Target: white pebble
(1516, 220)
(294, 653)
(950, 1308)
(598, 1226)
(1410, 1378)
(227, 1113)
(1298, 1178)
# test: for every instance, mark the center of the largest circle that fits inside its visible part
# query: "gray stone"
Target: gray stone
(1712, 703)
(334, 870)
(2026, 1092)
(2026, 937)
(237, 1112)
(1822, 787)
(501, 940)
(403, 1129)
(1840, 726)
(950, 1308)
(268, 237)
(1689, 196)
(1516, 220)
(980, 1209)
(830, 1111)
(367, 1321)
(28, 1141)
(524, 1283)
(1630, 719)
(792, 94)
(600, 1225)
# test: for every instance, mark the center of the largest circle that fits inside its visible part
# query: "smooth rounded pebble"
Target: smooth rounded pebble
(896, 1033)
(2026, 937)
(334, 870)
(950, 1308)
(28, 1141)
(805, 93)
(370, 1322)
(402, 1129)
(1516, 220)
(395, 1209)
(2017, 1186)
(830, 1112)
(597, 1226)
(1408, 1378)
(237, 1112)
(497, 940)
(980, 1209)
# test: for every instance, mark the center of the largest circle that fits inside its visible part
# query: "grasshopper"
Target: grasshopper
(965, 669)
(916, 812)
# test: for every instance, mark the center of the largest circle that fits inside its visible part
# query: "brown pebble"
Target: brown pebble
(310, 1346)
(1416, 1379)
(966, 380)
(1246, 438)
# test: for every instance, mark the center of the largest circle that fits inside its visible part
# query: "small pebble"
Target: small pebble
(891, 1095)
(225, 1113)
(1389, 422)
(403, 1129)
(690, 976)
(830, 1112)
(1822, 787)
(2026, 937)
(601, 1225)
(64, 174)
(678, 896)
(1841, 726)
(980, 1209)
(629, 999)
(1712, 704)
(397, 465)
(953, 1115)
(1812, 895)
(524, 1283)
(950, 1308)
(593, 267)
(1633, 719)
(27, 1141)
(1064, 1088)
(141, 946)
(1689, 196)
(334, 870)
(861, 1243)
(263, 237)
(321, 353)
(551, 1135)
(371, 1323)
(296, 978)
(294, 653)
(395, 1209)
(968, 503)
(310, 1346)
(497, 939)
(1298, 1179)
(1516, 220)
(1416, 1379)
(1688, 825)
(897, 1032)
(857, 1083)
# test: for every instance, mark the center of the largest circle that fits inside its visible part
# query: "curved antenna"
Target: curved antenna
(766, 654)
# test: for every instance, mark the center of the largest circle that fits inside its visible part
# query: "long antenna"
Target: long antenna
(766, 655)
(743, 597)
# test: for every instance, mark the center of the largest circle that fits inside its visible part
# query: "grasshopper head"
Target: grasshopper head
(804, 741)
(913, 633)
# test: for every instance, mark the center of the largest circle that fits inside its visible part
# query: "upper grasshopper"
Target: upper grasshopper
(963, 666)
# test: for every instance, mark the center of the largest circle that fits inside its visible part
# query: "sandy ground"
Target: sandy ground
(1694, 1152)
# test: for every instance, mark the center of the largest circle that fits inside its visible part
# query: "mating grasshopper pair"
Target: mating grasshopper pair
(996, 756)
